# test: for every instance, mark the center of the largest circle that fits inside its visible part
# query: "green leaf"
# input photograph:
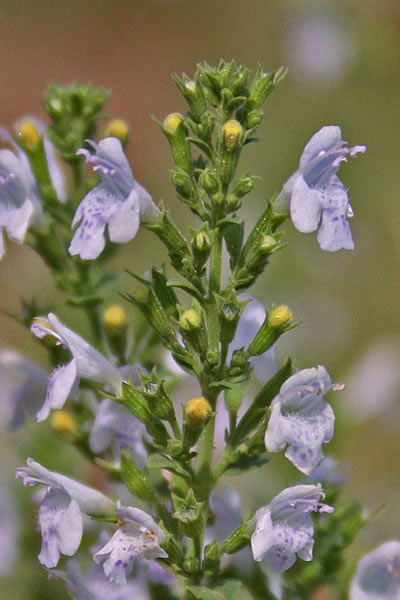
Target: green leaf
(225, 591)
(244, 464)
(187, 287)
(156, 461)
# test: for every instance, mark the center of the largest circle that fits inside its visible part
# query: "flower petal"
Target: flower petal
(60, 385)
(123, 225)
(334, 232)
(60, 522)
(327, 139)
(306, 206)
(90, 363)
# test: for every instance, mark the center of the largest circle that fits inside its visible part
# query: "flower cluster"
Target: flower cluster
(117, 399)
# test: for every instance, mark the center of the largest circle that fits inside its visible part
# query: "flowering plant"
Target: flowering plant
(172, 531)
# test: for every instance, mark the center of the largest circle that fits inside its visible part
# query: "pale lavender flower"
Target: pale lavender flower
(318, 199)
(86, 363)
(96, 587)
(24, 384)
(55, 171)
(378, 574)
(115, 426)
(118, 202)
(302, 419)
(284, 528)
(60, 513)
(19, 202)
(137, 536)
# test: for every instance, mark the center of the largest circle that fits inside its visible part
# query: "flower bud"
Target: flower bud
(208, 180)
(197, 412)
(280, 317)
(201, 246)
(244, 185)
(232, 132)
(117, 128)
(202, 241)
(231, 142)
(190, 320)
(276, 322)
(114, 320)
(254, 118)
(194, 95)
(181, 182)
(115, 325)
(174, 129)
(63, 422)
(28, 134)
(159, 401)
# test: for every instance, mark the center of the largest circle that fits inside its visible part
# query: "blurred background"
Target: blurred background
(344, 68)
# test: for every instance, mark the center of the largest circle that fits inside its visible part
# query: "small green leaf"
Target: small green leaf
(156, 461)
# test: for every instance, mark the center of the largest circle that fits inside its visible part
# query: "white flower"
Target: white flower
(118, 202)
(138, 535)
(60, 518)
(378, 574)
(302, 419)
(18, 198)
(86, 363)
(318, 199)
(284, 527)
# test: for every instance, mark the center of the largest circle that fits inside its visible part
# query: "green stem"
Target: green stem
(214, 286)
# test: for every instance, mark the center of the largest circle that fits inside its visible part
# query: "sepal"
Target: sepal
(239, 538)
(192, 90)
(189, 513)
(159, 401)
(135, 478)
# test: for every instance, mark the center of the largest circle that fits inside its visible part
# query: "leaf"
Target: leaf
(187, 287)
(245, 463)
(226, 591)
(156, 461)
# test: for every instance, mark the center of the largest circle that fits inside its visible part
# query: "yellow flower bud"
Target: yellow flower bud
(114, 319)
(117, 128)
(232, 130)
(28, 134)
(197, 412)
(172, 122)
(281, 316)
(63, 422)
(189, 320)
